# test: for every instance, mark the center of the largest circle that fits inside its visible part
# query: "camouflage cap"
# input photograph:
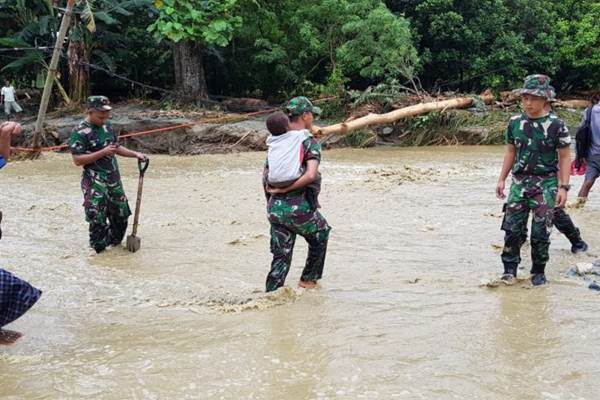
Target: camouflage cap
(299, 105)
(537, 85)
(553, 94)
(99, 103)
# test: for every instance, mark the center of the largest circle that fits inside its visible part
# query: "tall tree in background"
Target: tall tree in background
(470, 44)
(379, 46)
(88, 42)
(579, 25)
(193, 25)
(27, 24)
(316, 46)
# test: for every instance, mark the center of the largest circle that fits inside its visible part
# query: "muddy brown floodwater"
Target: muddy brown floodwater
(400, 312)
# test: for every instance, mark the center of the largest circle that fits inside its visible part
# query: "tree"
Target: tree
(580, 49)
(90, 43)
(192, 25)
(28, 24)
(378, 46)
(287, 47)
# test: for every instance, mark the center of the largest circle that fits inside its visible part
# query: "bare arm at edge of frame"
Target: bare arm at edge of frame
(564, 174)
(507, 164)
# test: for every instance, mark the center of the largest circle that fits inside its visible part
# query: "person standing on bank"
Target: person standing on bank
(94, 146)
(8, 97)
(291, 211)
(537, 151)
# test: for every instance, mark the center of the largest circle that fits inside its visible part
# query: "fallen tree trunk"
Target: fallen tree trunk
(573, 103)
(393, 116)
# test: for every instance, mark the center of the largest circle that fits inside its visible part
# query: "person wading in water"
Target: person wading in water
(292, 210)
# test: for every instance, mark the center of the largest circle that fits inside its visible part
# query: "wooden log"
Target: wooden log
(573, 103)
(393, 116)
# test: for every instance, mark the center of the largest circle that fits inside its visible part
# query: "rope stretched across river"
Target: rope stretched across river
(212, 120)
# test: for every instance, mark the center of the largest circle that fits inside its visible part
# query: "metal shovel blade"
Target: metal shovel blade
(133, 243)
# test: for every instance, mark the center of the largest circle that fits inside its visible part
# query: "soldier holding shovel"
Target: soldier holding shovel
(94, 145)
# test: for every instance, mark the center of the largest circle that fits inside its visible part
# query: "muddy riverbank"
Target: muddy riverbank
(221, 133)
(400, 312)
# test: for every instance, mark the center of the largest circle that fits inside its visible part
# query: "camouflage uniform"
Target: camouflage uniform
(104, 200)
(292, 214)
(535, 182)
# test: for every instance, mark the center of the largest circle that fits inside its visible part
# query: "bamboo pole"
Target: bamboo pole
(62, 91)
(393, 116)
(62, 32)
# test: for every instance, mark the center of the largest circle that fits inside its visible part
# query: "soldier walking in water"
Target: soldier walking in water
(94, 146)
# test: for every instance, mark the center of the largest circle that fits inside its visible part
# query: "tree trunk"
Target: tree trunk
(64, 27)
(190, 83)
(393, 116)
(79, 72)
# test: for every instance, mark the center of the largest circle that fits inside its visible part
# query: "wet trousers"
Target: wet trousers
(535, 194)
(290, 216)
(106, 210)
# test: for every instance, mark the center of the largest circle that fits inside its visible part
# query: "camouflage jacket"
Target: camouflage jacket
(537, 142)
(86, 139)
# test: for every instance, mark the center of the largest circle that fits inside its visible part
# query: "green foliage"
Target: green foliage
(280, 48)
(379, 46)
(471, 44)
(361, 138)
(289, 47)
(384, 95)
(210, 22)
(581, 44)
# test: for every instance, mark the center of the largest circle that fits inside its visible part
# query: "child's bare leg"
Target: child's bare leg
(585, 188)
(8, 337)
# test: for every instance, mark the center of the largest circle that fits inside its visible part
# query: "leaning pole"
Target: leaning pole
(62, 32)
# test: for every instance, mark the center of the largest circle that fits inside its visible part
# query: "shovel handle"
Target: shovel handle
(143, 165)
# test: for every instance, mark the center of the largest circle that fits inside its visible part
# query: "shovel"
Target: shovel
(133, 242)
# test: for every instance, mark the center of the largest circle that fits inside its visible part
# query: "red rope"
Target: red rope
(153, 131)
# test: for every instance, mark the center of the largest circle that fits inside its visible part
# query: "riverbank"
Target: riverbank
(214, 132)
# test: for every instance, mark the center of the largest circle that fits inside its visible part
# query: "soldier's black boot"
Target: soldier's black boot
(538, 275)
(578, 246)
(510, 272)
(577, 243)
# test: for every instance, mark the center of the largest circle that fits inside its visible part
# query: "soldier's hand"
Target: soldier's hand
(500, 190)
(274, 190)
(110, 150)
(561, 198)
(11, 128)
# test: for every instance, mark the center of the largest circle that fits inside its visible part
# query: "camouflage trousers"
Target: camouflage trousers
(538, 195)
(290, 216)
(106, 210)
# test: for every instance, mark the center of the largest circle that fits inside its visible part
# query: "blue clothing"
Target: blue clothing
(595, 126)
(16, 297)
(2, 162)
(592, 170)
